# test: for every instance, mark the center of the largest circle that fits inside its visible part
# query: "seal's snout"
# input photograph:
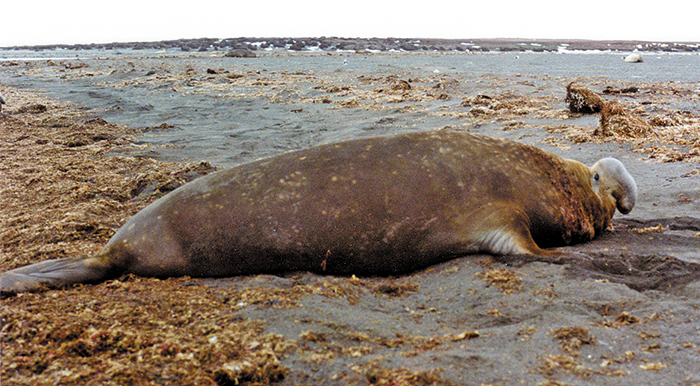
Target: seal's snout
(624, 208)
(625, 204)
(615, 179)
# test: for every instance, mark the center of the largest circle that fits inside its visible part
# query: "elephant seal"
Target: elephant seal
(633, 58)
(369, 206)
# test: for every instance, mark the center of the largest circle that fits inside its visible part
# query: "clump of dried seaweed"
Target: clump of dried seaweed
(571, 338)
(644, 120)
(506, 280)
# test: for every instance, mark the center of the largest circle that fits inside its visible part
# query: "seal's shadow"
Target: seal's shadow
(642, 261)
(641, 273)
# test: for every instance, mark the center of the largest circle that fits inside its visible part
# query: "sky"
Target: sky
(42, 22)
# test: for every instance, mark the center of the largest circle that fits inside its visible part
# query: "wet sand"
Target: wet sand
(620, 310)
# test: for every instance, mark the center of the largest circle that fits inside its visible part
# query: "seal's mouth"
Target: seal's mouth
(624, 205)
(624, 210)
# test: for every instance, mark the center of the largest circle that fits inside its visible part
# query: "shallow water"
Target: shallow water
(656, 67)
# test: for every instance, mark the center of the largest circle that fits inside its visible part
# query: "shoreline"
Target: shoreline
(362, 45)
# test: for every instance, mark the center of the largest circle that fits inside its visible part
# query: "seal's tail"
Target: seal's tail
(53, 273)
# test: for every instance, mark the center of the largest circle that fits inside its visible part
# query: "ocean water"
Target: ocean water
(656, 67)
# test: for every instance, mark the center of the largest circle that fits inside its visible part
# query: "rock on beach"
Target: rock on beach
(240, 53)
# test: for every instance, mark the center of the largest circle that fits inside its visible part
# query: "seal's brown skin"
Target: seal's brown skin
(368, 206)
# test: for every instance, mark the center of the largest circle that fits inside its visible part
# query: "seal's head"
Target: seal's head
(612, 183)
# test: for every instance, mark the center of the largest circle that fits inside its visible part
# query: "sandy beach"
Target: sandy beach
(87, 143)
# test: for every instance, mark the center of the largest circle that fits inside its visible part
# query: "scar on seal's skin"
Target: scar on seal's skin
(369, 206)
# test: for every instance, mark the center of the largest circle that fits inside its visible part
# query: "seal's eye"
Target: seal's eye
(596, 177)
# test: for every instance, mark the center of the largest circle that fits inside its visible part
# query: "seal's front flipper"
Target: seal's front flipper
(53, 273)
(501, 229)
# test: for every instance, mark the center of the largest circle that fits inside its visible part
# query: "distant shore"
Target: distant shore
(334, 44)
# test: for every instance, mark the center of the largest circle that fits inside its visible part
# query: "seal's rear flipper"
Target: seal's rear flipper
(52, 273)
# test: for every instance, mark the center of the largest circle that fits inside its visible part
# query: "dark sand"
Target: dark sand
(620, 310)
